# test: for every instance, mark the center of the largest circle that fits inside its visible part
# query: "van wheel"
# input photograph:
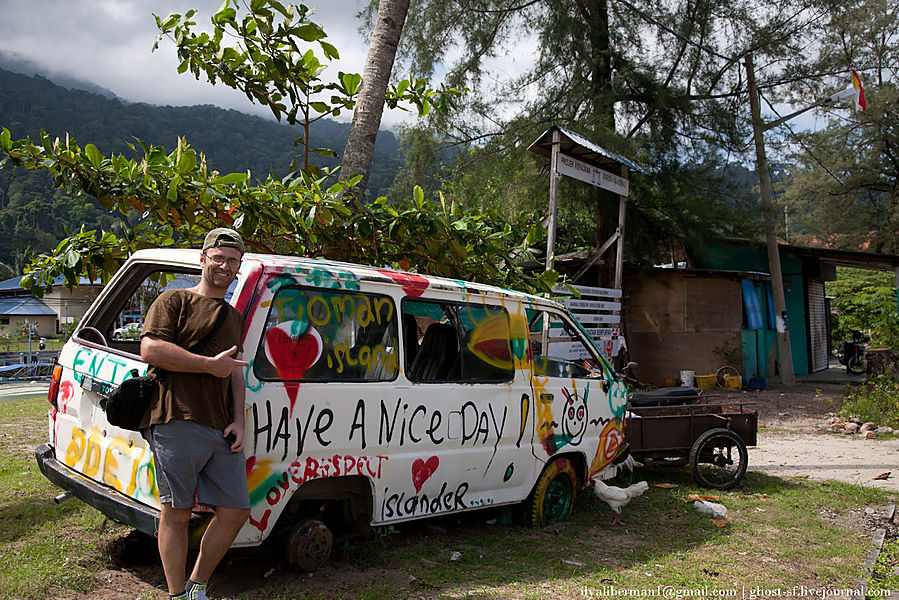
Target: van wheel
(553, 497)
(308, 545)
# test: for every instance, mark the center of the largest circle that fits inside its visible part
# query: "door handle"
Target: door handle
(546, 397)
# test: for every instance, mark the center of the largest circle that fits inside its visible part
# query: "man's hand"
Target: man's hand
(234, 434)
(222, 365)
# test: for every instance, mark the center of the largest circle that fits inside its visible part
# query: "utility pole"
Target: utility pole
(777, 284)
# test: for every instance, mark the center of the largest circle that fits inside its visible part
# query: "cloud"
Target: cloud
(109, 43)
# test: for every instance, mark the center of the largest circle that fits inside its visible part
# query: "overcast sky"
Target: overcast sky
(109, 43)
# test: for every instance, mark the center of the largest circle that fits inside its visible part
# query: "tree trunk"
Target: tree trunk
(360, 145)
(879, 361)
(603, 124)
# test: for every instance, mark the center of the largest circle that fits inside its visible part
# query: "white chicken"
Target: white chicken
(616, 497)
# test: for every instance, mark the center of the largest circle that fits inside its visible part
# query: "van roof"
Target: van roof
(341, 271)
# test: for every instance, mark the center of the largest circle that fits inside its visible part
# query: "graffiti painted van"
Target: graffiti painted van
(373, 397)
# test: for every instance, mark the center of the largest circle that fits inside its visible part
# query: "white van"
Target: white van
(373, 397)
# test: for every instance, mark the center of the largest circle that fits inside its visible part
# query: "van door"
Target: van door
(466, 405)
(579, 401)
(324, 358)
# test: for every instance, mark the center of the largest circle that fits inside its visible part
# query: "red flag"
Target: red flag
(859, 91)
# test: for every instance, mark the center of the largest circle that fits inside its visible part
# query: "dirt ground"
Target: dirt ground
(794, 442)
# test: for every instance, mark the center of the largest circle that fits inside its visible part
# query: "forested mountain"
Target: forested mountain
(34, 215)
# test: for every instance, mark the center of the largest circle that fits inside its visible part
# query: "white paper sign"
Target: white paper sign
(580, 170)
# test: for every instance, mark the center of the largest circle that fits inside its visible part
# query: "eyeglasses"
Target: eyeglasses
(219, 260)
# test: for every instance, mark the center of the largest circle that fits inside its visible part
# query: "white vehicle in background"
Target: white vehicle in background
(127, 331)
(373, 397)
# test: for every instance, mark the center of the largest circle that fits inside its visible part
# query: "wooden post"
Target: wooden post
(777, 284)
(619, 258)
(551, 225)
(553, 201)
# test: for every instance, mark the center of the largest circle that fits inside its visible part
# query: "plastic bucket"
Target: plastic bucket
(706, 382)
(733, 382)
(686, 378)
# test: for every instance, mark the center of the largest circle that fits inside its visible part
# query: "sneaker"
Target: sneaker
(196, 591)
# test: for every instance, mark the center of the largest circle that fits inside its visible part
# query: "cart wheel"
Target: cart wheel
(553, 497)
(718, 459)
(723, 372)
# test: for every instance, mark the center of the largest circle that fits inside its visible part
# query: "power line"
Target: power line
(801, 142)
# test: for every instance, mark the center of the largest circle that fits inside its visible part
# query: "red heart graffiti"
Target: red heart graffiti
(422, 470)
(290, 355)
(414, 285)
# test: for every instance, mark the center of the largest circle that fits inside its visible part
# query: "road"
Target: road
(823, 456)
(18, 390)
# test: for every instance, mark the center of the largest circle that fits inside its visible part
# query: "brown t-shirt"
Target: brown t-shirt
(184, 318)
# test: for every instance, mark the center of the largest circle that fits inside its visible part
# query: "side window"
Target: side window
(128, 317)
(448, 341)
(559, 350)
(328, 335)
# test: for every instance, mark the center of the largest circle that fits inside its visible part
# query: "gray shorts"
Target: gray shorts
(195, 462)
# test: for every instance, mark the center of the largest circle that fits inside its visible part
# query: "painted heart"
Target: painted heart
(292, 349)
(422, 470)
(414, 285)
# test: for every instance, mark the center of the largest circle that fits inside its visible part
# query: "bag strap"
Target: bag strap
(161, 374)
(219, 321)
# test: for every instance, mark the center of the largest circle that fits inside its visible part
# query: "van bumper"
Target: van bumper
(108, 501)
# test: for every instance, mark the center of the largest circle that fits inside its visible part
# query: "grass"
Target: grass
(883, 573)
(780, 533)
(22, 345)
(43, 545)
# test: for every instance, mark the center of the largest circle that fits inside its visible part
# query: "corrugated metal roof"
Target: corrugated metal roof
(14, 284)
(24, 306)
(577, 146)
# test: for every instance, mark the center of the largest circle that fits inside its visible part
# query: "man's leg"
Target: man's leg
(173, 524)
(219, 535)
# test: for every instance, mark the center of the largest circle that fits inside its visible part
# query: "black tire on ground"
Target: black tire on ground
(553, 497)
(718, 459)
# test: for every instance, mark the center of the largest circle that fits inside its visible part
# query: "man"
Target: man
(195, 426)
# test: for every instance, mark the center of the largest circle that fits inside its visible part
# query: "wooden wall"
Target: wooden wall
(674, 320)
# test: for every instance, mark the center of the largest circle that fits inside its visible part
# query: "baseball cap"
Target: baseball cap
(223, 237)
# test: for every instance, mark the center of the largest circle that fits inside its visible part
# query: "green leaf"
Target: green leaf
(351, 82)
(5, 139)
(170, 21)
(172, 194)
(231, 179)
(418, 195)
(72, 258)
(309, 32)
(93, 155)
(329, 50)
(187, 162)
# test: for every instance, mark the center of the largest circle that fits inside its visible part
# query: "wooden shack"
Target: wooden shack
(682, 319)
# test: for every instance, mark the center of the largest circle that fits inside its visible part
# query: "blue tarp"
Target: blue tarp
(752, 304)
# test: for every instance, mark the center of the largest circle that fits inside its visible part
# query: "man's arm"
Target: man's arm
(238, 397)
(172, 357)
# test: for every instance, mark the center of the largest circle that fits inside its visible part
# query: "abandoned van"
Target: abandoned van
(373, 397)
